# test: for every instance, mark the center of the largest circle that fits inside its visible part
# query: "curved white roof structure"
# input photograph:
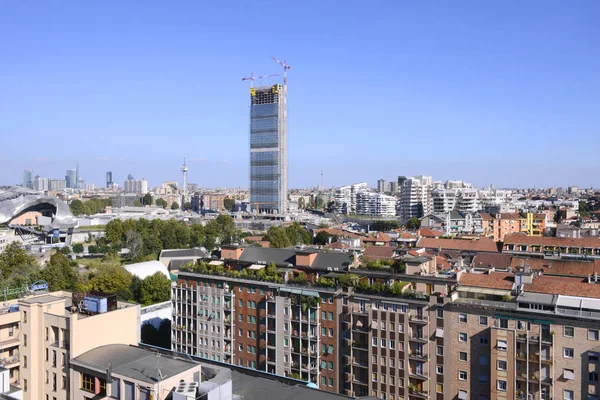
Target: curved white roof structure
(17, 200)
(147, 268)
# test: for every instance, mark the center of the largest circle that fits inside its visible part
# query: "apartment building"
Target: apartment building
(542, 344)
(415, 197)
(9, 340)
(540, 245)
(370, 203)
(54, 328)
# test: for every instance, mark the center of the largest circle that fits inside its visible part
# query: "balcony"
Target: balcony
(359, 345)
(418, 338)
(359, 363)
(227, 306)
(418, 393)
(11, 361)
(359, 311)
(227, 321)
(418, 319)
(418, 375)
(418, 356)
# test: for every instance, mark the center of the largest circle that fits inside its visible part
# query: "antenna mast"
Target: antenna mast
(184, 170)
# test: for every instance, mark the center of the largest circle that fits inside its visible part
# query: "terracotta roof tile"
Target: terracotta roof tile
(489, 260)
(494, 280)
(519, 238)
(428, 232)
(377, 252)
(559, 267)
(483, 244)
(563, 285)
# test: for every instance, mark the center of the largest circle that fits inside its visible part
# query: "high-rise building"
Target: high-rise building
(268, 149)
(415, 196)
(139, 186)
(71, 179)
(28, 178)
(40, 184)
(57, 185)
(381, 185)
(109, 180)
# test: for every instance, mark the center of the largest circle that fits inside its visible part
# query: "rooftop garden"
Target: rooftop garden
(383, 265)
(266, 274)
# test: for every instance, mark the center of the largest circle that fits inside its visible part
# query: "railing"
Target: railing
(419, 356)
(417, 392)
(418, 318)
(9, 360)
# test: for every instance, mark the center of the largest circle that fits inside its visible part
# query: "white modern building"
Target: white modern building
(40, 184)
(370, 203)
(137, 186)
(415, 196)
(345, 198)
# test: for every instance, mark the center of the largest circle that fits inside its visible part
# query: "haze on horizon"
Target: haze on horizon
(487, 92)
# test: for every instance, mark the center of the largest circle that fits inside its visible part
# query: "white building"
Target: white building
(345, 198)
(57, 185)
(443, 200)
(370, 203)
(415, 196)
(40, 184)
(139, 186)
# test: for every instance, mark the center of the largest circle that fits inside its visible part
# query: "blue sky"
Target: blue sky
(503, 92)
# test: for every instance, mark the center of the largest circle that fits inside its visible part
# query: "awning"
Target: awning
(256, 267)
(493, 292)
(439, 332)
(462, 394)
(569, 374)
(501, 344)
(374, 324)
(330, 349)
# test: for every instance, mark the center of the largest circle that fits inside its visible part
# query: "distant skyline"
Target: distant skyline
(502, 93)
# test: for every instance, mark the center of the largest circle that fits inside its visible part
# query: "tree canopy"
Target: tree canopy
(413, 224)
(13, 258)
(94, 205)
(175, 206)
(291, 235)
(161, 203)
(228, 203)
(155, 289)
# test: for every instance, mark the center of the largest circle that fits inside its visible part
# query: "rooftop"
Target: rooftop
(192, 253)
(559, 267)
(483, 244)
(519, 238)
(132, 362)
(489, 260)
(377, 252)
(564, 286)
(493, 280)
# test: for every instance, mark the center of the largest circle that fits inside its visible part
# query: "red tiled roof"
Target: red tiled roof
(377, 252)
(378, 237)
(563, 285)
(489, 260)
(519, 238)
(510, 216)
(494, 280)
(338, 245)
(483, 244)
(428, 232)
(486, 216)
(559, 267)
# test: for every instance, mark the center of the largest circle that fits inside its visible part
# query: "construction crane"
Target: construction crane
(286, 68)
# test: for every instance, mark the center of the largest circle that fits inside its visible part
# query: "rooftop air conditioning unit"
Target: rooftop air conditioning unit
(185, 391)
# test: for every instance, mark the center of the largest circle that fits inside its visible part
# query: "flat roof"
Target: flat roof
(48, 298)
(132, 362)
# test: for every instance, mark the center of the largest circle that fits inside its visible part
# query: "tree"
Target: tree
(413, 224)
(147, 200)
(77, 207)
(13, 258)
(225, 228)
(228, 203)
(301, 203)
(78, 248)
(134, 243)
(322, 238)
(187, 206)
(155, 289)
(60, 273)
(66, 250)
(297, 234)
(114, 231)
(175, 206)
(111, 278)
(161, 203)
(137, 203)
(197, 235)
(277, 237)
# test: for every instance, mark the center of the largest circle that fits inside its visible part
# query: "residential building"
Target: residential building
(415, 197)
(268, 149)
(57, 327)
(564, 247)
(41, 184)
(370, 203)
(381, 186)
(133, 186)
(393, 188)
(109, 180)
(71, 179)
(28, 178)
(345, 198)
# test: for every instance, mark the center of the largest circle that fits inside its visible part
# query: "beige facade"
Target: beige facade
(9, 340)
(52, 332)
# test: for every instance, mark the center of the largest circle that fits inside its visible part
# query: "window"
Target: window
(374, 359)
(330, 316)
(401, 328)
(462, 356)
(24, 316)
(463, 395)
(330, 331)
(323, 381)
(484, 340)
(392, 362)
(502, 345)
(439, 369)
(47, 331)
(501, 385)
(47, 352)
(593, 334)
(24, 361)
(286, 342)
(401, 382)
(439, 313)
(25, 382)
(323, 331)
(462, 337)
(374, 341)
(11, 331)
(483, 320)
(63, 383)
(392, 326)
(330, 381)
(115, 388)
(87, 382)
(400, 364)
(462, 318)
(383, 361)
(241, 303)
(330, 365)
(483, 379)
(462, 375)
(568, 395)
(503, 323)
(392, 344)
(569, 331)
(439, 350)
(502, 364)
(593, 376)
(286, 358)
(374, 377)
(383, 343)
(439, 388)
(568, 352)
(24, 340)
(383, 326)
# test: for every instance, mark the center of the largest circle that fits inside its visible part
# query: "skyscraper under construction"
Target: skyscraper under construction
(268, 148)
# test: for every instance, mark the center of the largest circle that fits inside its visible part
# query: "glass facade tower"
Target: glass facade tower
(268, 149)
